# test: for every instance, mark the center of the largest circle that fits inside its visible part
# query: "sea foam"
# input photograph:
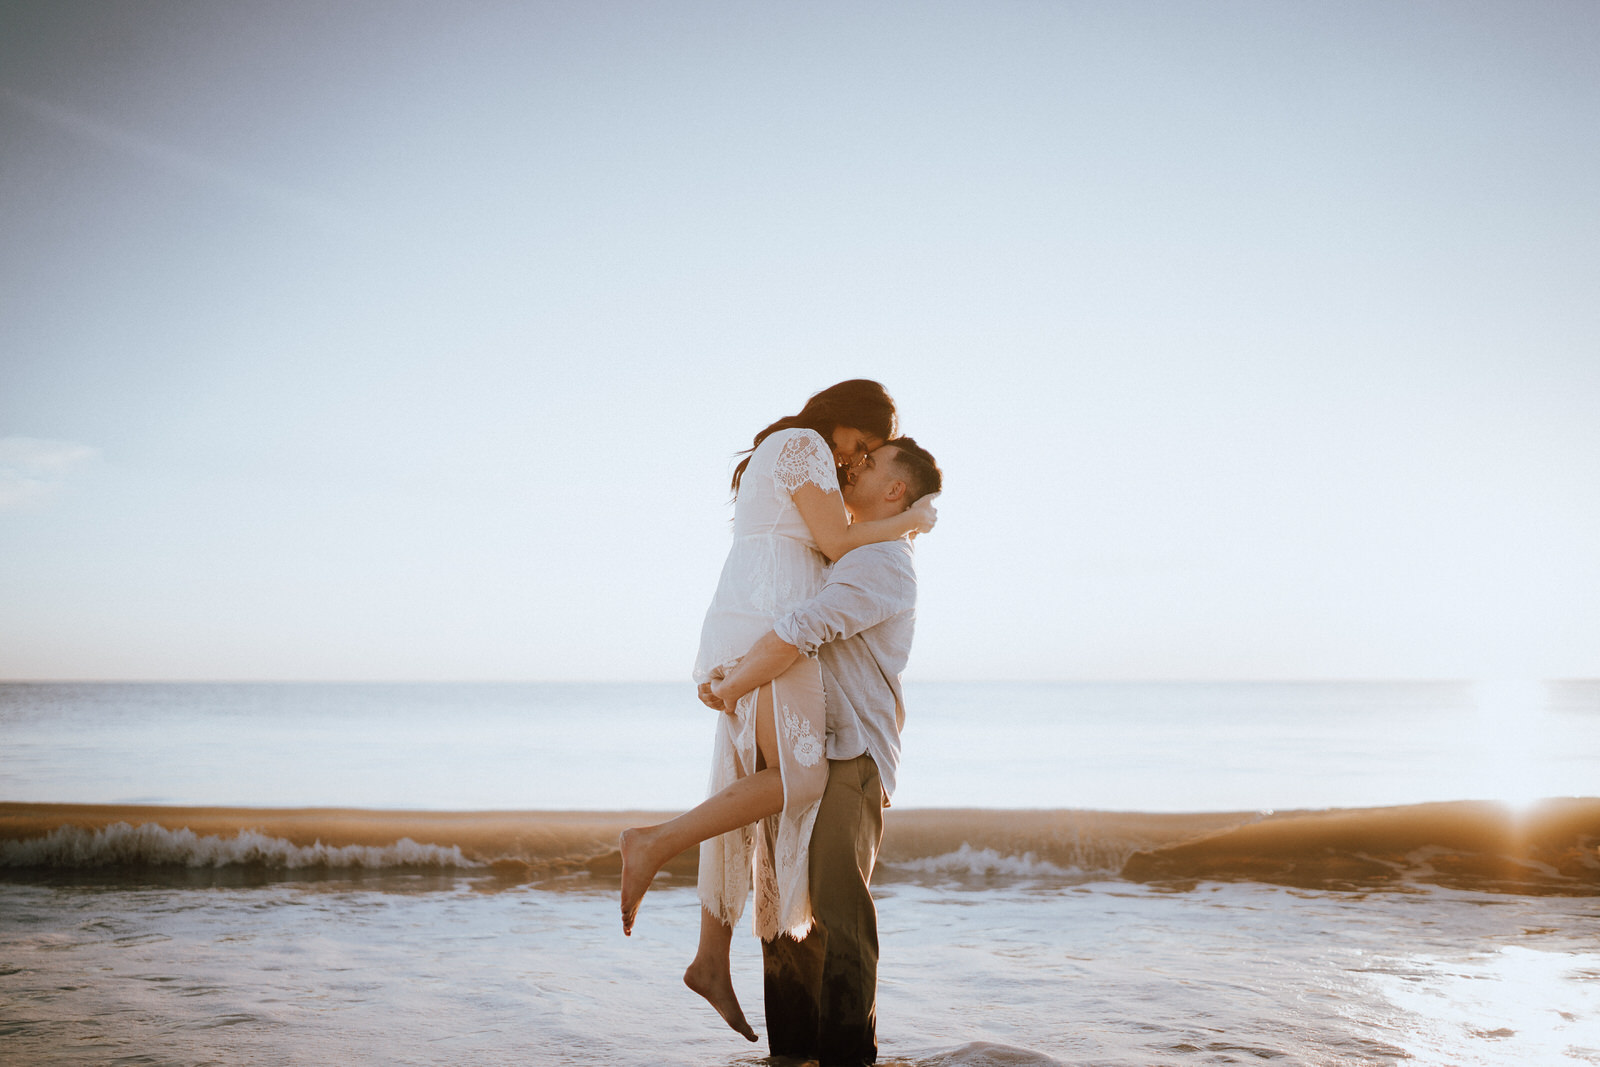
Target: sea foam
(124, 845)
(987, 863)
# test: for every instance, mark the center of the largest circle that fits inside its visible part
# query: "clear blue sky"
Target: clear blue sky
(400, 340)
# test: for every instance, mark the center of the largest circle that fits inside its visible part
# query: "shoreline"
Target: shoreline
(1552, 846)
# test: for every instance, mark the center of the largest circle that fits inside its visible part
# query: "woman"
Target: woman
(769, 761)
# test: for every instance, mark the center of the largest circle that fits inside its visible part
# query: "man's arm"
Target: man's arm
(769, 657)
(866, 587)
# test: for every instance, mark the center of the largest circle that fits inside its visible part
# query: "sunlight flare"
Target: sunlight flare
(1510, 723)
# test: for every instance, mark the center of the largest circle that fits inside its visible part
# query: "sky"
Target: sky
(415, 341)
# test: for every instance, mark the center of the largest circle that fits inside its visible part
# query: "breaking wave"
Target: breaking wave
(1550, 848)
(150, 845)
(987, 863)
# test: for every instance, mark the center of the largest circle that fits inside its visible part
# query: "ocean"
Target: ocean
(1113, 874)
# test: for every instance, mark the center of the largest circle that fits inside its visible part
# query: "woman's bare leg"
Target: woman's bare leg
(645, 849)
(708, 973)
(710, 976)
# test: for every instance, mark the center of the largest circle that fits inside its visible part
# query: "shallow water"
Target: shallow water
(421, 970)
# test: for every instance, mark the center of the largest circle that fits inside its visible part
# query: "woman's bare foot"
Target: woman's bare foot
(716, 985)
(638, 871)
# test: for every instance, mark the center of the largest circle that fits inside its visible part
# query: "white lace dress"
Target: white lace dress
(773, 566)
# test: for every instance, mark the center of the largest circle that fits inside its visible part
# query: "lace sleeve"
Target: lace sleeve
(805, 458)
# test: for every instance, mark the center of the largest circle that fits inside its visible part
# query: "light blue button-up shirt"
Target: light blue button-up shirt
(859, 627)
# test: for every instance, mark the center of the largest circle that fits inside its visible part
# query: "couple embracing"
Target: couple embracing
(804, 660)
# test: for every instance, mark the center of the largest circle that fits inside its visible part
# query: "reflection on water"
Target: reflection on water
(1515, 1005)
(1110, 974)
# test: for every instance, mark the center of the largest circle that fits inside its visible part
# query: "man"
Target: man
(821, 992)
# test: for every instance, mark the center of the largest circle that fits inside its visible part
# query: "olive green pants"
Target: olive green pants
(821, 993)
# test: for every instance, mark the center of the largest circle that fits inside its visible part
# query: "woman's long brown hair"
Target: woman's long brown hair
(860, 403)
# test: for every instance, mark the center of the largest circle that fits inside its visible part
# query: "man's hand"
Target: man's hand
(769, 657)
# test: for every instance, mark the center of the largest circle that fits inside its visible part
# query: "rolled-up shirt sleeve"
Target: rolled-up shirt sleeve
(865, 588)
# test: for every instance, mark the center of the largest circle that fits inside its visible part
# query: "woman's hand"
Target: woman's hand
(924, 513)
(715, 693)
(723, 694)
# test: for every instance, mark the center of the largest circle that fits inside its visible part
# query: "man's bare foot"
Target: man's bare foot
(716, 985)
(637, 872)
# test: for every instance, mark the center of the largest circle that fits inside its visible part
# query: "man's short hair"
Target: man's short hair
(916, 467)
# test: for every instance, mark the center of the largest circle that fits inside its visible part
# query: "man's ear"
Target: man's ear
(896, 491)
